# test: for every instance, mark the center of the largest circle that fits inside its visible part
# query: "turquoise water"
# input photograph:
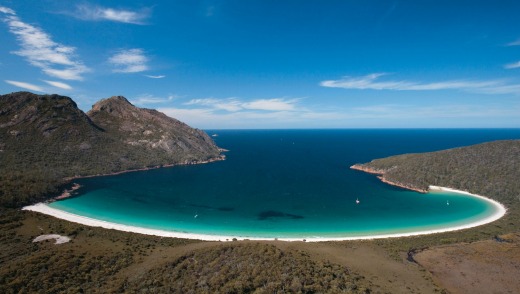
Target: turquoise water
(286, 183)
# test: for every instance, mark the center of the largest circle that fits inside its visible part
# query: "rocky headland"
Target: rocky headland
(490, 169)
(46, 140)
(381, 176)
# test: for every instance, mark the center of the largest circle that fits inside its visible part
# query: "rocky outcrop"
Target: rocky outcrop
(153, 130)
(381, 176)
(25, 114)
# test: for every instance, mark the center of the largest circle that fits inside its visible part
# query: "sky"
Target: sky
(274, 64)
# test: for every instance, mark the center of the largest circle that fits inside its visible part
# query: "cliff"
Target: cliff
(46, 138)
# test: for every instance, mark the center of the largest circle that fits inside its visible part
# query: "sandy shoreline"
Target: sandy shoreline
(45, 209)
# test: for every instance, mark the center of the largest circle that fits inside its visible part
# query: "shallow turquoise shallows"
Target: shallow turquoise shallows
(287, 184)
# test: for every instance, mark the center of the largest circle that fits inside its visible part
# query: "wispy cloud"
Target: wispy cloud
(151, 99)
(276, 104)
(59, 85)
(25, 85)
(98, 13)
(40, 50)
(249, 119)
(228, 104)
(512, 65)
(7, 10)
(129, 61)
(408, 112)
(258, 113)
(155, 77)
(514, 43)
(373, 82)
(234, 104)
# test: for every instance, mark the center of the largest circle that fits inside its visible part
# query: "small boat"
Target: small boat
(357, 201)
(448, 202)
(214, 135)
(196, 216)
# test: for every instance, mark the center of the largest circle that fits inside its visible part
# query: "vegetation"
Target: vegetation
(246, 268)
(490, 169)
(91, 262)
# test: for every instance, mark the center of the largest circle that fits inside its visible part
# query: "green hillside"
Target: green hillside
(46, 138)
(491, 169)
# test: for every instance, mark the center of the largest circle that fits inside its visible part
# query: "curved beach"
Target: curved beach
(45, 209)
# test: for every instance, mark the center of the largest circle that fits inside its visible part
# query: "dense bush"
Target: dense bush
(247, 268)
(490, 169)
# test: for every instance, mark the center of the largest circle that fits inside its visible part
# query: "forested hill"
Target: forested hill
(491, 169)
(45, 138)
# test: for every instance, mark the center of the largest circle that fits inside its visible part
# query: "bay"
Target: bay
(287, 184)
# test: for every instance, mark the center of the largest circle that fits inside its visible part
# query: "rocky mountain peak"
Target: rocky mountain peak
(113, 104)
(28, 114)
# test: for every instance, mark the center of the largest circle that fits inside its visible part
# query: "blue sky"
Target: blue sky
(274, 64)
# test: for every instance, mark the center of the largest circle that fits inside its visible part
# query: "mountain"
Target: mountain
(153, 130)
(490, 169)
(45, 138)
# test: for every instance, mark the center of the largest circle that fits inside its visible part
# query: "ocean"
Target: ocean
(287, 184)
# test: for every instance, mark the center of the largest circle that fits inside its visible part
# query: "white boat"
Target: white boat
(357, 201)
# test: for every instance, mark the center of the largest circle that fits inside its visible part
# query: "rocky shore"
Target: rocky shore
(186, 162)
(381, 176)
(68, 192)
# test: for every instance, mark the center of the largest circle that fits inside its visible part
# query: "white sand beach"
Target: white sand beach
(500, 211)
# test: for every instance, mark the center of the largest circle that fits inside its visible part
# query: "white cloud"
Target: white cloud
(372, 82)
(41, 51)
(275, 104)
(210, 118)
(236, 113)
(59, 85)
(155, 77)
(129, 61)
(150, 99)
(234, 104)
(7, 10)
(228, 104)
(512, 65)
(25, 85)
(98, 13)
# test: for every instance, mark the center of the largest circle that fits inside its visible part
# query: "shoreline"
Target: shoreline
(45, 209)
(381, 176)
(221, 157)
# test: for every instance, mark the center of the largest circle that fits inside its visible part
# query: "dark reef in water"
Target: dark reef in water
(223, 208)
(270, 214)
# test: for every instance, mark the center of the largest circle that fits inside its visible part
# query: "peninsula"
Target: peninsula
(489, 169)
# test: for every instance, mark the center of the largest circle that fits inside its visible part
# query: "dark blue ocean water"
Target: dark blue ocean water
(287, 183)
